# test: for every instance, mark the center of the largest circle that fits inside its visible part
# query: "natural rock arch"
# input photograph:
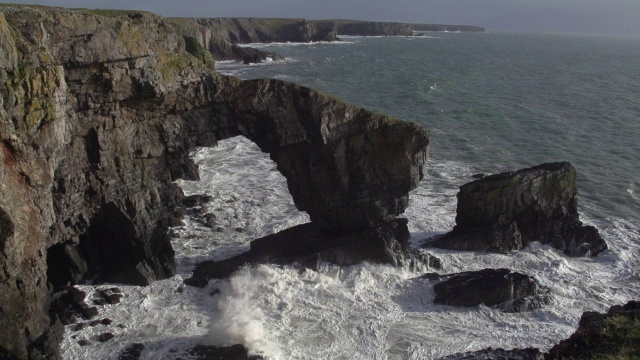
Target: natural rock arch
(349, 168)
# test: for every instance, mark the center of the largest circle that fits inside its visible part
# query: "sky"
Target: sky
(606, 17)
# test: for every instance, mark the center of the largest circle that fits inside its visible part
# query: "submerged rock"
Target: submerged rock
(132, 352)
(505, 212)
(308, 246)
(498, 354)
(500, 288)
(614, 335)
(235, 352)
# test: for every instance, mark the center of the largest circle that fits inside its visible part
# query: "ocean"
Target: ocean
(493, 102)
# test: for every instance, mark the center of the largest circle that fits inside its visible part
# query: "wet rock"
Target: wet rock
(209, 220)
(132, 352)
(501, 288)
(498, 354)
(84, 342)
(195, 200)
(308, 246)
(236, 352)
(99, 302)
(111, 295)
(505, 212)
(89, 312)
(614, 335)
(104, 337)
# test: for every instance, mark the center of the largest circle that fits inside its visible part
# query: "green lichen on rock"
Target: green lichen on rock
(34, 88)
(194, 48)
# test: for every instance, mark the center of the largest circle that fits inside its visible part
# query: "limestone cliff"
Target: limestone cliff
(98, 112)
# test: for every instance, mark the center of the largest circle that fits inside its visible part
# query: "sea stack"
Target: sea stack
(505, 212)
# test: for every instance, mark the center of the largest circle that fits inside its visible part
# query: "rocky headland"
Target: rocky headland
(222, 36)
(99, 110)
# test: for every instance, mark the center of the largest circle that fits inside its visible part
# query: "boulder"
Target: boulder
(498, 354)
(500, 288)
(308, 246)
(505, 212)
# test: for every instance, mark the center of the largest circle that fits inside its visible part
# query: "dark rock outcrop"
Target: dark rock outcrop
(308, 246)
(501, 288)
(498, 354)
(505, 212)
(97, 117)
(132, 352)
(614, 335)
(236, 352)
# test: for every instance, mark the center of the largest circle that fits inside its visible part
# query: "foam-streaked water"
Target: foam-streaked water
(493, 102)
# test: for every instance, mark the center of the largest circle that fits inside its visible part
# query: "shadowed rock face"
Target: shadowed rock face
(97, 122)
(501, 288)
(507, 211)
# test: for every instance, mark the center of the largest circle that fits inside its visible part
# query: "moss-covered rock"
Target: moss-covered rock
(614, 335)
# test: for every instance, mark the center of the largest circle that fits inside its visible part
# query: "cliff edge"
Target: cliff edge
(98, 113)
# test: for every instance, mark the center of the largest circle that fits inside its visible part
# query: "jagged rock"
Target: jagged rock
(97, 123)
(501, 288)
(614, 335)
(505, 212)
(111, 295)
(308, 246)
(498, 354)
(236, 352)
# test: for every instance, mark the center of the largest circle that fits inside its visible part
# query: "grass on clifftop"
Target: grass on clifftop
(621, 340)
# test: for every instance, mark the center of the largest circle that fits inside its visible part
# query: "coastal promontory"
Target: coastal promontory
(98, 113)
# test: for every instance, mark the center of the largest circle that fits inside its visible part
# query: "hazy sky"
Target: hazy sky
(580, 16)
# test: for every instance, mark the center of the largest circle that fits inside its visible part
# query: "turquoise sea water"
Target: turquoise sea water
(496, 101)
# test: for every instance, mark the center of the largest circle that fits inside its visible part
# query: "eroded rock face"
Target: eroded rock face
(507, 211)
(501, 288)
(97, 122)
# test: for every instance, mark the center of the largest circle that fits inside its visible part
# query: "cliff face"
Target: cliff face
(370, 28)
(98, 113)
(441, 27)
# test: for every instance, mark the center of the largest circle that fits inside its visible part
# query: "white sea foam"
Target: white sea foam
(359, 312)
(280, 44)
